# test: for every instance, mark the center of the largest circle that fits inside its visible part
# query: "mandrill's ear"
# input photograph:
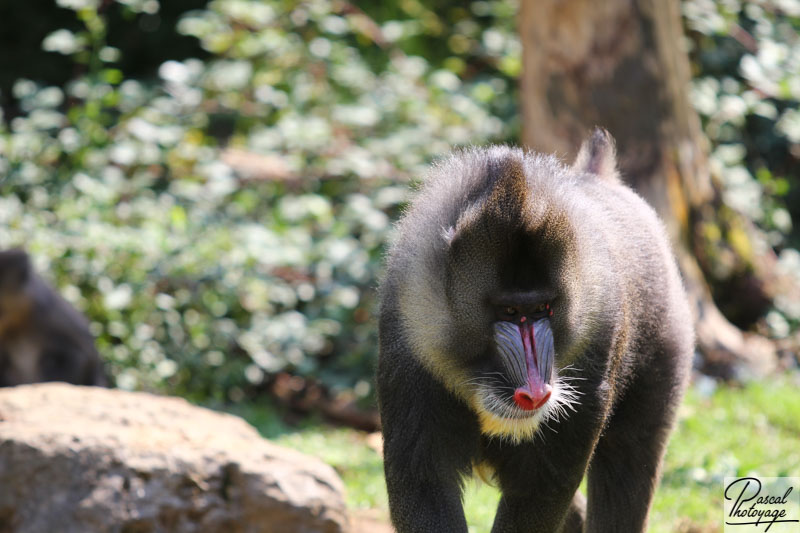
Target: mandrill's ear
(597, 156)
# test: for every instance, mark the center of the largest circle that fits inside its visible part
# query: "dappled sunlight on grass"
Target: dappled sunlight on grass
(729, 432)
(722, 431)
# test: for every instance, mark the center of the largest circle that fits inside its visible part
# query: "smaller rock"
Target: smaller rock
(84, 459)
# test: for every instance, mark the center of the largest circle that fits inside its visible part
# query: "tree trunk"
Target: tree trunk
(621, 64)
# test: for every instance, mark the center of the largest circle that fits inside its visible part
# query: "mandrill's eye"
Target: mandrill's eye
(508, 313)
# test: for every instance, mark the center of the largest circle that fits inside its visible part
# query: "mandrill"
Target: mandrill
(42, 337)
(533, 325)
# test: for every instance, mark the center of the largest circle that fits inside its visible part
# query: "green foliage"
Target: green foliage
(746, 61)
(201, 279)
(203, 276)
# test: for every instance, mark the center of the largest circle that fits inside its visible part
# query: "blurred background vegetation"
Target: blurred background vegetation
(213, 182)
(214, 187)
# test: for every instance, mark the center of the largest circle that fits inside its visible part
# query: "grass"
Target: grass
(728, 432)
(722, 431)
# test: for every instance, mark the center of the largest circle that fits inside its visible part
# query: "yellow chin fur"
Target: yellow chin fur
(515, 430)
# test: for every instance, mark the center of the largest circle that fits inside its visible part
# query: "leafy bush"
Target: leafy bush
(202, 277)
(225, 220)
(746, 60)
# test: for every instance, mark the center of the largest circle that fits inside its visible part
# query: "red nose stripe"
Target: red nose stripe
(536, 392)
(529, 342)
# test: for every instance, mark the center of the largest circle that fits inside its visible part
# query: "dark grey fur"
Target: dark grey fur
(42, 337)
(499, 221)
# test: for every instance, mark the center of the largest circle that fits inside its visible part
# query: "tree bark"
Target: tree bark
(622, 65)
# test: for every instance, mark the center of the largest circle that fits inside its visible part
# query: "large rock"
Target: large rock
(83, 459)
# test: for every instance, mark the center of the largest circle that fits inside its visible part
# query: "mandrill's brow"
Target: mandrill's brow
(529, 298)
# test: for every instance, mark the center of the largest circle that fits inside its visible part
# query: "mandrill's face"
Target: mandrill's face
(524, 343)
(491, 306)
(518, 387)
